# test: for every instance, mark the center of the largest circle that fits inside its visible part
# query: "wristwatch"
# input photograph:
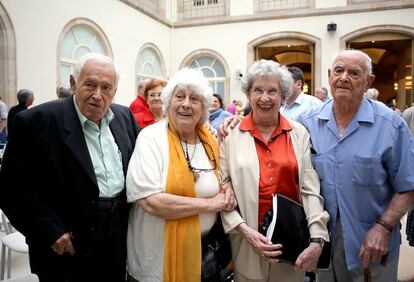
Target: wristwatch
(320, 241)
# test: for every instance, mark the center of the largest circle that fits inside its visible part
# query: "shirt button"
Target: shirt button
(271, 179)
(268, 151)
(269, 164)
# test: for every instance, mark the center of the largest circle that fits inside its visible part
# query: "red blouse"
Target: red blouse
(277, 163)
(144, 118)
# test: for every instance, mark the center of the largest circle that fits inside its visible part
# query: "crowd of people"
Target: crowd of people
(103, 192)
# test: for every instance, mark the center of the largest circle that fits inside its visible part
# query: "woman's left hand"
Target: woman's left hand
(308, 259)
(230, 199)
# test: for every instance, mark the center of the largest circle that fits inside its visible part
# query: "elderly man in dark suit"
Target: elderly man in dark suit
(63, 178)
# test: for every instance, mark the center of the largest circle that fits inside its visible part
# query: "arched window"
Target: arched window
(78, 40)
(213, 70)
(149, 63)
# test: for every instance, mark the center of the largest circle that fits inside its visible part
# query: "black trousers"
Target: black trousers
(102, 258)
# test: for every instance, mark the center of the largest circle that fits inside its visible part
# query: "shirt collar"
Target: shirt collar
(106, 119)
(365, 112)
(298, 100)
(247, 123)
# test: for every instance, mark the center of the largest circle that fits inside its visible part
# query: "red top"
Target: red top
(277, 163)
(144, 118)
(138, 105)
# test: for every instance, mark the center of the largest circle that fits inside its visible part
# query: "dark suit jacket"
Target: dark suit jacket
(48, 184)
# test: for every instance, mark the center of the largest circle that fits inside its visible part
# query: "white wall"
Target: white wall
(39, 23)
(241, 7)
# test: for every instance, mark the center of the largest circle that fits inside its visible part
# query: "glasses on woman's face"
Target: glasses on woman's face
(154, 95)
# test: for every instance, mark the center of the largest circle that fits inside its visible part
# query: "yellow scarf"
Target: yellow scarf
(182, 237)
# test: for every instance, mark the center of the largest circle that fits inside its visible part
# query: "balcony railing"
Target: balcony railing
(271, 5)
(370, 1)
(204, 8)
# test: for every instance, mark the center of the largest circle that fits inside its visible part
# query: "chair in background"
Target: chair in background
(12, 241)
(27, 278)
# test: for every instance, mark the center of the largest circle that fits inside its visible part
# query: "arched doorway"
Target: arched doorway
(8, 81)
(391, 49)
(292, 49)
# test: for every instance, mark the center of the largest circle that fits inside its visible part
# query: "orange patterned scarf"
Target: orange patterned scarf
(182, 237)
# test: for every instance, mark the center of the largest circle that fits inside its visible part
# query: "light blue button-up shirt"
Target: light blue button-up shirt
(361, 170)
(301, 105)
(105, 154)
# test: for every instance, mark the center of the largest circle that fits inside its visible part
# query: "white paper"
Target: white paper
(271, 229)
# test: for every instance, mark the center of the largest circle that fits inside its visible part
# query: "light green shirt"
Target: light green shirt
(105, 154)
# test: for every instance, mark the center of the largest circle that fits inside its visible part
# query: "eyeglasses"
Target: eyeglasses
(259, 91)
(154, 94)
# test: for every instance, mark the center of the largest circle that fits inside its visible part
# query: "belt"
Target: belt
(109, 204)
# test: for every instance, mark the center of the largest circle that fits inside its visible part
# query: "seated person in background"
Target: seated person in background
(264, 155)
(217, 112)
(172, 182)
(152, 96)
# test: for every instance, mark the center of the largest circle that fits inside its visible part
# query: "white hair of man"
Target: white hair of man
(368, 61)
(193, 79)
(372, 93)
(267, 69)
(94, 56)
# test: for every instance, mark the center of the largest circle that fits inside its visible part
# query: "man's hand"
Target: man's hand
(64, 245)
(375, 245)
(308, 259)
(229, 121)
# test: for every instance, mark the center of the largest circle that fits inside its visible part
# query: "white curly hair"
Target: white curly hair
(193, 79)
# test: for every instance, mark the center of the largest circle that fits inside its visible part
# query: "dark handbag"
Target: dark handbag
(289, 227)
(216, 255)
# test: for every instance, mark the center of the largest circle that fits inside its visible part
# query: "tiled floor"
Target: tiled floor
(20, 262)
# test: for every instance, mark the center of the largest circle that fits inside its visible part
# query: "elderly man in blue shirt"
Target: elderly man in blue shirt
(364, 154)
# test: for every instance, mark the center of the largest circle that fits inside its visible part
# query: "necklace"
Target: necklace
(197, 171)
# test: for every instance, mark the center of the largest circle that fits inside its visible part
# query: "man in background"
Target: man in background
(298, 103)
(62, 92)
(322, 94)
(25, 98)
(139, 104)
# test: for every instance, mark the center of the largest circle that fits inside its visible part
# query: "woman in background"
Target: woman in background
(217, 112)
(152, 95)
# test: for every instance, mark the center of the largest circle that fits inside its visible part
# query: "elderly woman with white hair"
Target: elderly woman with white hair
(264, 155)
(173, 184)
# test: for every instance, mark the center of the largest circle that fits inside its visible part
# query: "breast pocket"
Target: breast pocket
(366, 170)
